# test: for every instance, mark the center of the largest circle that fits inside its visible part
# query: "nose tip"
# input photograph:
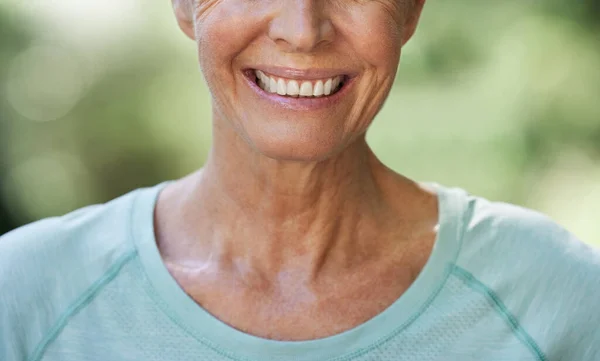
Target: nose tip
(306, 38)
(300, 26)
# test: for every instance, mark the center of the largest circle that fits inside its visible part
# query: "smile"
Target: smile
(314, 88)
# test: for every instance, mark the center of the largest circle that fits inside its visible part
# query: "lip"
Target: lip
(300, 103)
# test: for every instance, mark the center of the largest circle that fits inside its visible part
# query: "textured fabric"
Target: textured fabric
(502, 283)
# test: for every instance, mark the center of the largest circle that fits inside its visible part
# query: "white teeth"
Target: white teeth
(263, 80)
(336, 82)
(296, 88)
(281, 87)
(318, 91)
(327, 87)
(293, 88)
(306, 89)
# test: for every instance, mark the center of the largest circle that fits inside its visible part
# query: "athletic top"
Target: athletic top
(502, 283)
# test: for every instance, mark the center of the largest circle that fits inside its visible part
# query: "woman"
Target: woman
(294, 242)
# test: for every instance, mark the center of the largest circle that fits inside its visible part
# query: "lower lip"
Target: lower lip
(300, 103)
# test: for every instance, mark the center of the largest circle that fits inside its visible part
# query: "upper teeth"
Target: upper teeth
(316, 88)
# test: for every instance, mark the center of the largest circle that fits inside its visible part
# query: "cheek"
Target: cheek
(223, 29)
(375, 32)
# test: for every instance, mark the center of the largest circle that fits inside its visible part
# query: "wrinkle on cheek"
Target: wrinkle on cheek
(395, 18)
(374, 29)
(218, 22)
(380, 38)
(202, 7)
(396, 10)
(214, 21)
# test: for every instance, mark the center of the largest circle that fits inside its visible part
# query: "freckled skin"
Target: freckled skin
(293, 229)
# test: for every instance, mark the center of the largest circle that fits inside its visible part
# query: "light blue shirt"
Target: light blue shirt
(502, 283)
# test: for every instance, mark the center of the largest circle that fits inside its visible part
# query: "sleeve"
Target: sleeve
(24, 279)
(564, 279)
(548, 279)
(579, 304)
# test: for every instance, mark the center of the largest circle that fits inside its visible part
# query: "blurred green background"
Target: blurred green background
(501, 98)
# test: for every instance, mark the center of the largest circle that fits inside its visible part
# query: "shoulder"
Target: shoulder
(70, 238)
(546, 276)
(499, 232)
(47, 265)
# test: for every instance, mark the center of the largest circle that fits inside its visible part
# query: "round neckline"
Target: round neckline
(236, 344)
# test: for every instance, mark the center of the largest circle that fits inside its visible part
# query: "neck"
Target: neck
(281, 190)
(274, 217)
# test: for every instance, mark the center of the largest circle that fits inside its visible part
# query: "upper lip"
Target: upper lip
(302, 74)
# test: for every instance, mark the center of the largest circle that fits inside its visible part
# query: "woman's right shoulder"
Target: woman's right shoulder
(63, 254)
(38, 244)
(34, 240)
(51, 240)
(46, 266)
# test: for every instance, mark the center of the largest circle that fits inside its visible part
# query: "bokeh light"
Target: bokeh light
(47, 185)
(44, 83)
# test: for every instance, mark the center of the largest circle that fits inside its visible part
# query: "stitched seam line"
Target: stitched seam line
(402, 327)
(508, 317)
(347, 357)
(79, 304)
(460, 229)
(175, 319)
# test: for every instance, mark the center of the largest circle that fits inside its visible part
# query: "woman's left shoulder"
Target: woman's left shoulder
(515, 233)
(501, 241)
(547, 278)
(536, 271)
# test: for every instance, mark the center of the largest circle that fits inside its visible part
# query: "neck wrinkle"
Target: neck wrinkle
(268, 216)
(296, 216)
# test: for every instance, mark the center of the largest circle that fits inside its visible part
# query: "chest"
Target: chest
(299, 309)
(295, 311)
(459, 324)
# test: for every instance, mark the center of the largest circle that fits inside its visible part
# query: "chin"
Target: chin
(296, 147)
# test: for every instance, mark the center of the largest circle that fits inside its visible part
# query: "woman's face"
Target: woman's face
(298, 79)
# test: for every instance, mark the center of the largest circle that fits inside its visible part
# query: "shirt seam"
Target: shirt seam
(167, 311)
(400, 328)
(459, 235)
(155, 297)
(80, 303)
(347, 357)
(523, 336)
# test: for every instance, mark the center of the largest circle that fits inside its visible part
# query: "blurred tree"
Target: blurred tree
(105, 146)
(587, 11)
(14, 37)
